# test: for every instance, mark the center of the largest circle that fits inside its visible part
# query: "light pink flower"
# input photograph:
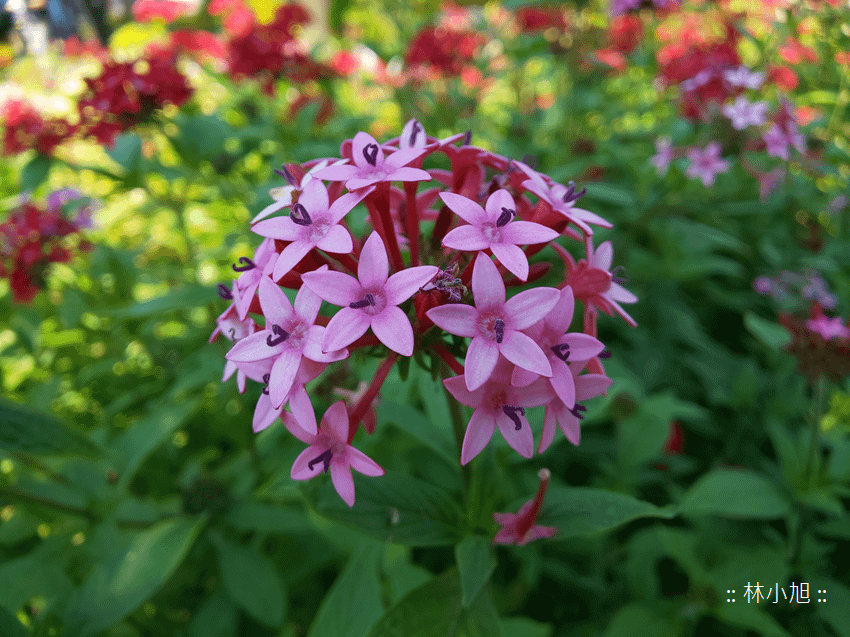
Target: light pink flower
(663, 155)
(372, 166)
(742, 76)
(289, 335)
(744, 113)
(561, 198)
(498, 404)
(491, 227)
(313, 223)
(329, 448)
(494, 324)
(234, 330)
(779, 140)
(371, 300)
(828, 328)
(593, 282)
(587, 386)
(519, 528)
(706, 163)
(283, 195)
(768, 181)
(265, 413)
(559, 347)
(252, 270)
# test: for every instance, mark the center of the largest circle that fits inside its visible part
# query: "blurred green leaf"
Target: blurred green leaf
(35, 172)
(639, 620)
(200, 137)
(771, 334)
(185, 298)
(267, 518)
(251, 580)
(524, 627)
(217, 617)
(735, 493)
(836, 610)
(39, 573)
(25, 429)
(475, 563)
(127, 151)
(414, 423)
(608, 193)
(752, 617)
(10, 626)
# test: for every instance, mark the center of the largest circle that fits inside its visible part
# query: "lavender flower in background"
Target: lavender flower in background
(706, 163)
(745, 113)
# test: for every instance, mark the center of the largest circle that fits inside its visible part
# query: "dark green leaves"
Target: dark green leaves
(25, 429)
(734, 493)
(582, 510)
(475, 563)
(769, 333)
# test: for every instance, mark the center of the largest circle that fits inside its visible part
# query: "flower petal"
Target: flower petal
(591, 385)
(301, 467)
(618, 293)
(402, 285)
(345, 327)
(393, 329)
(313, 347)
(337, 240)
(513, 258)
(407, 173)
(373, 267)
(456, 385)
(346, 203)
(526, 308)
(563, 383)
(362, 463)
(455, 318)
(359, 143)
(275, 304)
(272, 208)
(342, 480)
(282, 228)
(289, 258)
(307, 302)
(522, 440)
(252, 348)
(403, 157)
(603, 256)
(488, 289)
(466, 237)
(590, 217)
(526, 232)
(336, 173)
(314, 197)
(569, 424)
(283, 375)
(302, 409)
(335, 421)
(521, 350)
(522, 377)
(334, 287)
(549, 426)
(478, 433)
(560, 316)
(481, 358)
(464, 208)
(498, 200)
(264, 413)
(583, 347)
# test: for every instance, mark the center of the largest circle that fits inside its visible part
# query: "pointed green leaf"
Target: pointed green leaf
(771, 334)
(35, 172)
(217, 617)
(25, 429)
(475, 563)
(734, 493)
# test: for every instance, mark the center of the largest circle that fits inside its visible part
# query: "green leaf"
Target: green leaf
(25, 429)
(771, 334)
(353, 604)
(10, 626)
(607, 193)
(35, 172)
(39, 573)
(524, 627)
(475, 563)
(750, 616)
(394, 508)
(200, 138)
(216, 618)
(412, 422)
(638, 620)
(267, 518)
(735, 493)
(836, 610)
(127, 151)
(251, 580)
(185, 298)
(435, 610)
(584, 510)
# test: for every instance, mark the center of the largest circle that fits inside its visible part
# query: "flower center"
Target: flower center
(414, 131)
(266, 379)
(280, 335)
(317, 230)
(299, 215)
(492, 327)
(324, 457)
(492, 231)
(372, 302)
(562, 351)
(499, 399)
(224, 292)
(370, 153)
(587, 281)
(576, 411)
(505, 217)
(247, 264)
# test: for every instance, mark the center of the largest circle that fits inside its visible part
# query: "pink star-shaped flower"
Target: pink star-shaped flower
(828, 328)
(561, 198)
(663, 155)
(594, 284)
(265, 413)
(587, 386)
(744, 113)
(706, 163)
(313, 223)
(283, 195)
(371, 300)
(252, 270)
(234, 330)
(494, 324)
(520, 528)
(372, 166)
(559, 348)
(491, 227)
(289, 335)
(329, 449)
(498, 404)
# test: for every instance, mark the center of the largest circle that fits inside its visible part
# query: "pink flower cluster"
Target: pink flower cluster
(408, 282)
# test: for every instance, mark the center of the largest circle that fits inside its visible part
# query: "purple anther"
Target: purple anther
(281, 335)
(284, 172)
(467, 138)
(571, 194)
(414, 131)
(366, 302)
(299, 215)
(224, 292)
(247, 265)
(575, 411)
(604, 354)
(232, 333)
(505, 218)
(371, 154)
(514, 413)
(266, 378)
(499, 328)
(616, 278)
(324, 457)
(562, 351)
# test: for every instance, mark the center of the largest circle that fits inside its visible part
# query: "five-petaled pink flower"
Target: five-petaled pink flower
(372, 166)
(663, 155)
(289, 334)
(265, 413)
(594, 284)
(370, 301)
(494, 324)
(313, 223)
(706, 163)
(519, 528)
(491, 227)
(497, 403)
(329, 449)
(744, 113)
(828, 328)
(252, 270)
(234, 329)
(561, 198)
(283, 195)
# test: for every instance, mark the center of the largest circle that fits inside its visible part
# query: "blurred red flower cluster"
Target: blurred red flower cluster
(532, 19)
(444, 51)
(26, 128)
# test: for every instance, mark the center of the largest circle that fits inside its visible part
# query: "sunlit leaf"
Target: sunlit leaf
(25, 429)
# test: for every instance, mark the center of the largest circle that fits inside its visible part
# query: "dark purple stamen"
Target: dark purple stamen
(299, 215)
(281, 334)
(505, 217)
(571, 194)
(232, 333)
(575, 411)
(248, 265)
(371, 154)
(284, 172)
(467, 138)
(499, 328)
(324, 457)
(615, 276)
(562, 351)
(514, 413)
(604, 354)
(224, 292)
(414, 131)
(266, 378)
(366, 302)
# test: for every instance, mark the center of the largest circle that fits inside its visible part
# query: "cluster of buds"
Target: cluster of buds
(409, 283)
(34, 237)
(796, 288)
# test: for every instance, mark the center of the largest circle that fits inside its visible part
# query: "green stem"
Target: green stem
(459, 427)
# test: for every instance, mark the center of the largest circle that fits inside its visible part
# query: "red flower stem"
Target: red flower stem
(366, 401)
(412, 214)
(345, 260)
(441, 226)
(447, 356)
(381, 201)
(525, 524)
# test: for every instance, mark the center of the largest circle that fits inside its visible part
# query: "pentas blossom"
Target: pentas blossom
(266, 413)
(251, 271)
(520, 528)
(706, 163)
(234, 330)
(284, 196)
(828, 328)
(779, 140)
(663, 155)
(744, 77)
(568, 417)
(744, 113)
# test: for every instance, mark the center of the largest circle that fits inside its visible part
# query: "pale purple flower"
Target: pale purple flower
(744, 113)
(252, 271)
(587, 386)
(706, 163)
(561, 198)
(289, 335)
(371, 300)
(494, 324)
(520, 528)
(234, 329)
(497, 403)
(329, 449)
(779, 140)
(492, 227)
(371, 166)
(742, 76)
(763, 285)
(265, 413)
(828, 328)
(313, 223)
(663, 155)
(283, 195)
(769, 181)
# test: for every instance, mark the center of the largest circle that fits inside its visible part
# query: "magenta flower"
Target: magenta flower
(769, 181)
(706, 163)
(498, 404)
(560, 348)
(587, 386)
(265, 413)
(252, 270)
(561, 198)
(779, 140)
(663, 155)
(742, 76)
(329, 448)
(828, 328)
(372, 166)
(594, 283)
(234, 330)
(313, 223)
(289, 335)
(519, 528)
(744, 113)
(494, 324)
(372, 301)
(492, 228)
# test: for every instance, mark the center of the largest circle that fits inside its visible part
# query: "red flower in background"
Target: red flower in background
(167, 10)
(625, 33)
(794, 52)
(783, 77)
(25, 128)
(445, 51)
(73, 47)
(532, 19)
(238, 17)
